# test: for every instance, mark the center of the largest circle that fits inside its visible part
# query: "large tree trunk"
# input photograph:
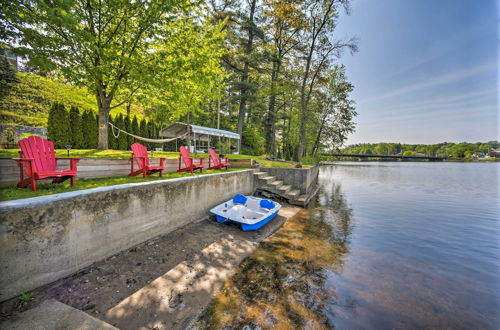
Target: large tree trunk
(318, 136)
(244, 78)
(103, 104)
(271, 114)
(304, 100)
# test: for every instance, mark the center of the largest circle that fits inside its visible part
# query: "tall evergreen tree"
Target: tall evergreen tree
(143, 131)
(58, 128)
(128, 128)
(112, 140)
(8, 75)
(76, 129)
(135, 128)
(122, 138)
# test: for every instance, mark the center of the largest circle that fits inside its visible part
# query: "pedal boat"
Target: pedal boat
(251, 212)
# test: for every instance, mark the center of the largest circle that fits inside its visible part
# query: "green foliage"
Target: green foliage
(29, 101)
(143, 131)
(89, 128)
(446, 149)
(134, 128)
(58, 128)
(123, 51)
(122, 138)
(8, 76)
(253, 142)
(76, 128)
(25, 297)
(9, 135)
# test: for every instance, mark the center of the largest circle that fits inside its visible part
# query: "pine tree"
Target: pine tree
(122, 138)
(143, 131)
(95, 132)
(128, 128)
(51, 122)
(90, 132)
(152, 134)
(112, 141)
(135, 128)
(76, 129)
(58, 128)
(8, 75)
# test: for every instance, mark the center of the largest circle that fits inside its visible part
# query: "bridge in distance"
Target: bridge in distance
(398, 157)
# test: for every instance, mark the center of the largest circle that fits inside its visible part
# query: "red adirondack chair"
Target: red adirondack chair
(140, 154)
(219, 163)
(39, 159)
(188, 162)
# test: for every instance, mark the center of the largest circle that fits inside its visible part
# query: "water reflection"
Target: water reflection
(282, 284)
(391, 245)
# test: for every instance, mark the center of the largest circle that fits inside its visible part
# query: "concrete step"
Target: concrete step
(284, 189)
(52, 314)
(276, 184)
(260, 174)
(268, 179)
(293, 194)
(302, 198)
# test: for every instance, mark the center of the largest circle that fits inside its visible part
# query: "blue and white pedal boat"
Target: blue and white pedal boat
(251, 212)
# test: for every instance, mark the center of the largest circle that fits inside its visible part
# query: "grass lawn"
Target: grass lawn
(10, 192)
(125, 154)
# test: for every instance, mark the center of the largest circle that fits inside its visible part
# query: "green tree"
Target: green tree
(128, 128)
(8, 75)
(337, 112)
(319, 48)
(122, 137)
(143, 131)
(112, 140)
(76, 129)
(135, 128)
(89, 128)
(103, 45)
(58, 127)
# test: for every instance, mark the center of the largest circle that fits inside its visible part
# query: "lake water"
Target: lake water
(387, 245)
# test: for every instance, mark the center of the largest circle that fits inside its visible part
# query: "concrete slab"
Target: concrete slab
(52, 314)
(175, 299)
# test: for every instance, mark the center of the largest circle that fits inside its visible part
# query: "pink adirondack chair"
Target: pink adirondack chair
(140, 154)
(219, 163)
(38, 158)
(188, 162)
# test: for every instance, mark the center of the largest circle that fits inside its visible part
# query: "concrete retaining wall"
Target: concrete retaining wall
(43, 239)
(299, 178)
(89, 168)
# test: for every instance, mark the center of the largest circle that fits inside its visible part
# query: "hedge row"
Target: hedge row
(80, 129)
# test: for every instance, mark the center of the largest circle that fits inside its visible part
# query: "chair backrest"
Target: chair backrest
(239, 199)
(185, 156)
(214, 157)
(138, 150)
(41, 150)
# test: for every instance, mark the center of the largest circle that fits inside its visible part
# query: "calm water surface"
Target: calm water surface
(423, 245)
(387, 245)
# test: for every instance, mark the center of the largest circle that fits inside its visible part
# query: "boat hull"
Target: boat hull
(250, 212)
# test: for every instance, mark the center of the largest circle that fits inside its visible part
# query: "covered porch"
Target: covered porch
(200, 138)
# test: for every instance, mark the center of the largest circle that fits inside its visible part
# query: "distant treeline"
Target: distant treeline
(80, 129)
(447, 149)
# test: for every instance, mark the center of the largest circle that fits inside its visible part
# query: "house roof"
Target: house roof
(178, 129)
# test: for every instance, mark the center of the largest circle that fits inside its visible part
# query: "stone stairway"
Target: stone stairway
(270, 186)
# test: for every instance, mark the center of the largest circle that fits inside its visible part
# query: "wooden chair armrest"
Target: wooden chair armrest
(23, 159)
(70, 158)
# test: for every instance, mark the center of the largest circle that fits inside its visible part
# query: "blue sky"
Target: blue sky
(426, 70)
